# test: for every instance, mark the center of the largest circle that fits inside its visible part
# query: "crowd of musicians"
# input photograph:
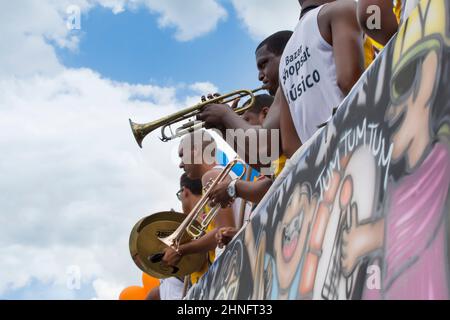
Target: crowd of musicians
(306, 73)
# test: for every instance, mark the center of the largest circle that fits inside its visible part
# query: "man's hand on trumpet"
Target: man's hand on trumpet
(219, 195)
(225, 235)
(171, 257)
(210, 96)
(214, 114)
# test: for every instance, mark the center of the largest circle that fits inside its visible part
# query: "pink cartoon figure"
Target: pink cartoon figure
(413, 235)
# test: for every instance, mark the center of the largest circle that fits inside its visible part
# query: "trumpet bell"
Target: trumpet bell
(137, 132)
(147, 250)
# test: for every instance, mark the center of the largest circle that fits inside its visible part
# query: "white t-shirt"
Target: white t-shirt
(171, 289)
(308, 77)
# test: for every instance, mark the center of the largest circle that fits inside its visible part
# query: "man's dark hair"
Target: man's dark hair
(195, 186)
(261, 101)
(276, 42)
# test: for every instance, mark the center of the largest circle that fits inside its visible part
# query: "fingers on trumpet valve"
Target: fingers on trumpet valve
(210, 96)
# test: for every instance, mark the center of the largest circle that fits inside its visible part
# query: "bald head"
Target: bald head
(197, 152)
(199, 140)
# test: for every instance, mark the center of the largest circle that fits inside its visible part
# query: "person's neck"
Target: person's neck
(308, 3)
(206, 167)
(193, 202)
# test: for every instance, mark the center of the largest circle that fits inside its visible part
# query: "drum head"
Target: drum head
(146, 248)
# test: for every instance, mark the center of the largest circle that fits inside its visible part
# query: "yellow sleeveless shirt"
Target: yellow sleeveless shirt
(211, 254)
(372, 47)
(278, 165)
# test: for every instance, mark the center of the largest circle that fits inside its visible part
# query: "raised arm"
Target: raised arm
(347, 43)
(290, 141)
(252, 191)
(224, 217)
(221, 116)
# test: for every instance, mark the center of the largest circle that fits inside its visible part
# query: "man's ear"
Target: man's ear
(186, 192)
(264, 112)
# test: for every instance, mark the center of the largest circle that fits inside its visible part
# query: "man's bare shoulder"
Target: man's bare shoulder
(210, 174)
(342, 9)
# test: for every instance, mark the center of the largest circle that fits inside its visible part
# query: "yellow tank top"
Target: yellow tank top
(372, 47)
(211, 254)
(398, 6)
(278, 165)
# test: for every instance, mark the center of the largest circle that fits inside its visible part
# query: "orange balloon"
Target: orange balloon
(133, 293)
(149, 282)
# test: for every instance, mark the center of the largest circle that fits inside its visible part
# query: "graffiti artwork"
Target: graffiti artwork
(363, 212)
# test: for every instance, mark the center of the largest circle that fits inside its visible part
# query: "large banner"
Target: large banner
(362, 211)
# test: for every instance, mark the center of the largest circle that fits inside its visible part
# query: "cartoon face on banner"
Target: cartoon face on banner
(363, 212)
(416, 74)
(291, 233)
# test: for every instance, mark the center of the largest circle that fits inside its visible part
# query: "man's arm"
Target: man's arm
(202, 245)
(218, 116)
(346, 39)
(207, 242)
(154, 294)
(290, 141)
(252, 191)
(224, 217)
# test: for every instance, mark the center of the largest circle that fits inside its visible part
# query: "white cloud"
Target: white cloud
(116, 6)
(203, 88)
(264, 18)
(74, 181)
(30, 268)
(25, 30)
(106, 290)
(191, 19)
(195, 19)
(30, 30)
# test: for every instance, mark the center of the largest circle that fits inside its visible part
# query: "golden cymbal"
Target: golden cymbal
(147, 250)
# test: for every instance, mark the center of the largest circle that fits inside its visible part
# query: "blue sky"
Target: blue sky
(42, 290)
(130, 47)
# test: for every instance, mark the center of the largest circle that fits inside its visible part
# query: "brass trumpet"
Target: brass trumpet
(140, 131)
(151, 235)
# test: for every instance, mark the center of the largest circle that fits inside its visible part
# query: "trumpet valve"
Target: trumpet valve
(208, 185)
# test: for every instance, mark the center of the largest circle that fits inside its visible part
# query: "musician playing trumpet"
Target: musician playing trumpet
(197, 152)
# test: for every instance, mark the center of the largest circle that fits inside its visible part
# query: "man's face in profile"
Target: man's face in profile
(268, 64)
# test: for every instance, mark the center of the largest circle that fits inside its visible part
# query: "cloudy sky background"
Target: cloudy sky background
(73, 181)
